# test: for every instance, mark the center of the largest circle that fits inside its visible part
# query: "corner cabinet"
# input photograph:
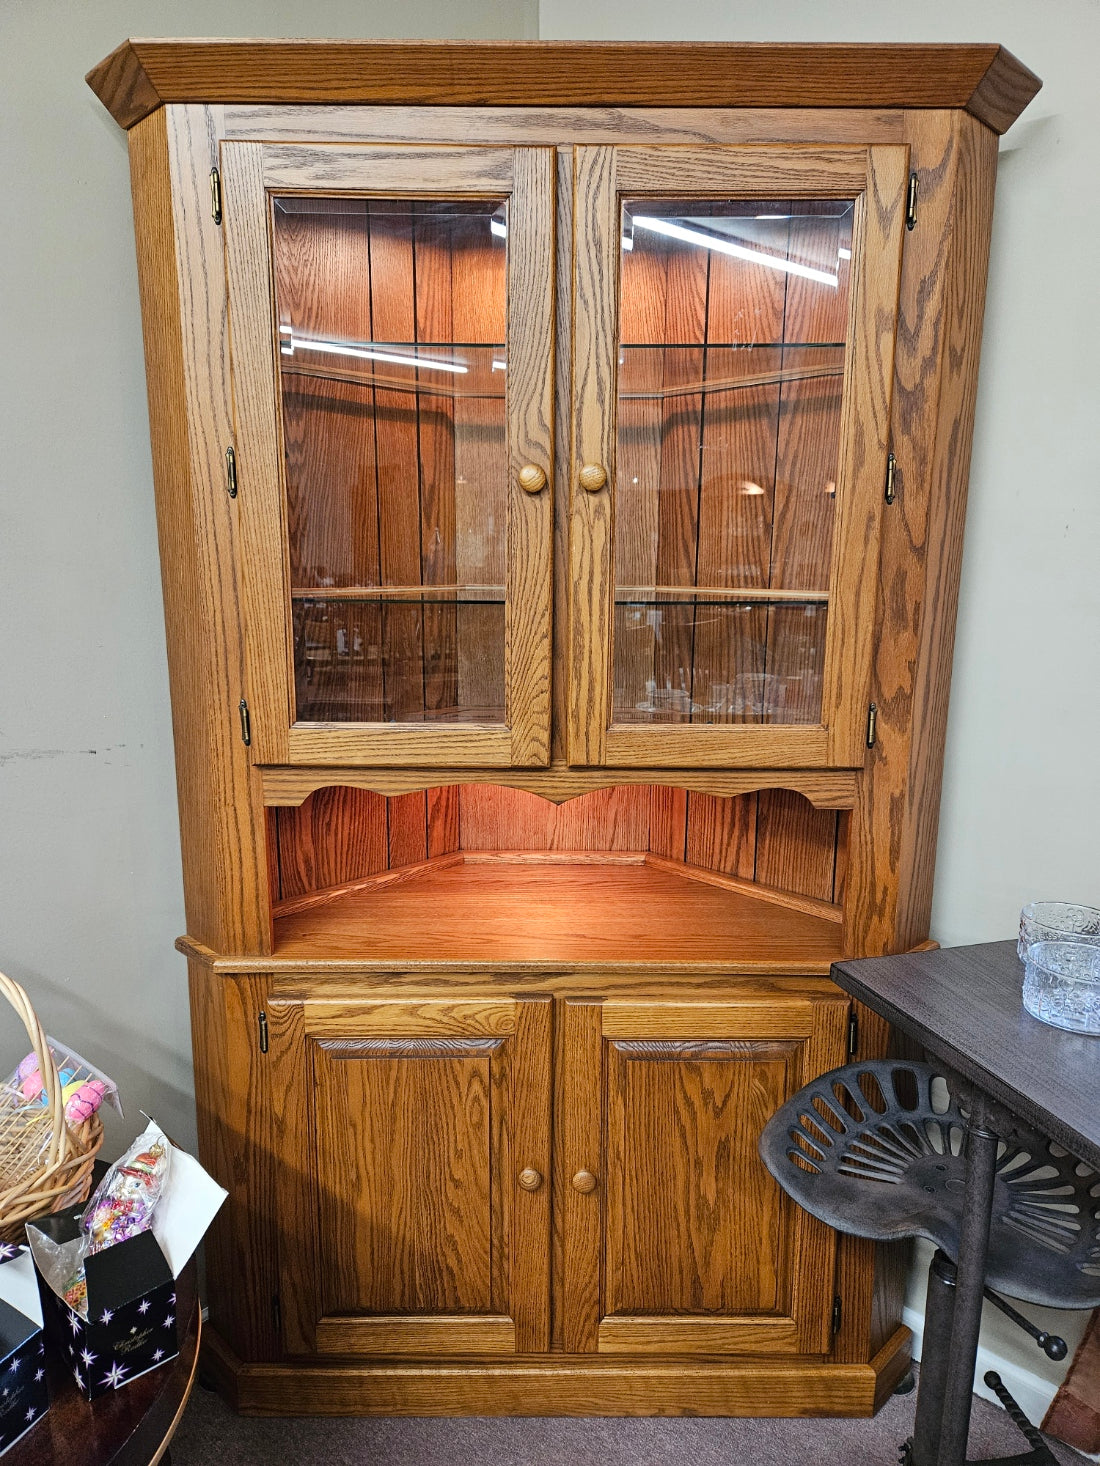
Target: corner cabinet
(560, 455)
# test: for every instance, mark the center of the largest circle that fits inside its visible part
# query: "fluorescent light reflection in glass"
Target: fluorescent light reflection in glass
(727, 247)
(291, 343)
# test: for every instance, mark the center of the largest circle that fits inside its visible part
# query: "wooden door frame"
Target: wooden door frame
(251, 173)
(816, 1021)
(876, 179)
(293, 1023)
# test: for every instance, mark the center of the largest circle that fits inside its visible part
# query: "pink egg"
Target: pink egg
(32, 1086)
(84, 1103)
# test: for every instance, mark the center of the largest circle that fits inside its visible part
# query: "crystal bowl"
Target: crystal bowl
(1062, 984)
(1057, 921)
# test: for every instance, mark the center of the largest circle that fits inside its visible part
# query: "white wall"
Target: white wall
(1020, 817)
(90, 881)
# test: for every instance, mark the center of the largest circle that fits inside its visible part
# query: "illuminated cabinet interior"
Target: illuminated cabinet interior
(560, 457)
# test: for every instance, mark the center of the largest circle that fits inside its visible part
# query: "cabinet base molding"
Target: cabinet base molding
(563, 1385)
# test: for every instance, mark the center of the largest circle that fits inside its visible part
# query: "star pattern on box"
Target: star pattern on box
(115, 1375)
(88, 1357)
(158, 1355)
(23, 1396)
(144, 1306)
(106, 1316)
(8, 1250)
(74, 1322)
(169, 1321)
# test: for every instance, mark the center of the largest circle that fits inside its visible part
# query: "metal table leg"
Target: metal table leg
(981, 1167)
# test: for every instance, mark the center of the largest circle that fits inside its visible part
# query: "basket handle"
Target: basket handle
(61, 1145)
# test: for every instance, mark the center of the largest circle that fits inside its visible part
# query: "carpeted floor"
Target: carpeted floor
(211, 1435)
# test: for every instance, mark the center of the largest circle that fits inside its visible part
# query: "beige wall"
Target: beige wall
(90, 882)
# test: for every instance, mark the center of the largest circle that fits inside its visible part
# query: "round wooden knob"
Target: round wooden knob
(592, 477)
(530, 1179)
(532, 479)
(584, 1181)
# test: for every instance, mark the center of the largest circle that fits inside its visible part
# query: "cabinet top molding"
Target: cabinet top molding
(141, 75)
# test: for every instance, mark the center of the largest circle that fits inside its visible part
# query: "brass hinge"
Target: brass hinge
(231, 472)
(891, 475)
(263, 1031)
(246, 723)
(216, 196)
(872, 724)
(837, 1314)
(911, 202)
(853, 1034)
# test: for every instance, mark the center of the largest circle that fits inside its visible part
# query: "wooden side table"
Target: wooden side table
(131, 1426)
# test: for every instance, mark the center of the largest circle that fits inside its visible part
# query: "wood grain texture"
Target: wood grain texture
(579, 1147)
(531, 347)
(889, 881)
(549, 126)
(438, 1249)
(561, 1385)
(182, 283)
(141, 73)
(700, 1251)
(595, 291)
(864, 441)
(825, 789)
(538, 916)
(241, 1247)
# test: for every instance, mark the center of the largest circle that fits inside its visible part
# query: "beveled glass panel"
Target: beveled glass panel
(732, 337)
(392, 372)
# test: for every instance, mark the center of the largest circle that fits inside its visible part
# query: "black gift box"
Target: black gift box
(131, 1325)
(24, 1396)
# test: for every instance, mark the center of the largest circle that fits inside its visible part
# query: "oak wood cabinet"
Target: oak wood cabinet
(560, 456)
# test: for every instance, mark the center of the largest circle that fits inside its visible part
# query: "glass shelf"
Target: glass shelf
(656, 595)
(446, 595)
(451, 369)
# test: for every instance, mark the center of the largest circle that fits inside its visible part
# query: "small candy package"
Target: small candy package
(107, 1270)
(24, 1395)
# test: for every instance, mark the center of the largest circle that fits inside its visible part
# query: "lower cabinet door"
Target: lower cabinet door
(413, 1161)
(676, 1239)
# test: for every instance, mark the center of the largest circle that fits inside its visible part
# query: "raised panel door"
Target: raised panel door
(413, 1177)
(676, 1238)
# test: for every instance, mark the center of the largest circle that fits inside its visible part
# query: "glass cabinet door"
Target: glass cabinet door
(390, 323)
(734, 317)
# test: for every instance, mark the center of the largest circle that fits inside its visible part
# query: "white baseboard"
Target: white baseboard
(1033, 1392)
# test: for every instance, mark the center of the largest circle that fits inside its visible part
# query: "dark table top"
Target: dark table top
(126, 1427)
(963, 1004)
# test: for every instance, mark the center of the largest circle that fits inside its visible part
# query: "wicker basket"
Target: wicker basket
(46, 1166)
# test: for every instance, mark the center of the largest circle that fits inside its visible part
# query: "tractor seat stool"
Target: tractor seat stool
(877, 1149)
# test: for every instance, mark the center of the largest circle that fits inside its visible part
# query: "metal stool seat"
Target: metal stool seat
(877, 1149)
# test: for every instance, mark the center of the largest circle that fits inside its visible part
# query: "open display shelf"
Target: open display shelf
(532, 911)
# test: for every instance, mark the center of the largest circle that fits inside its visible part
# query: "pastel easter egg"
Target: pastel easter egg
(32, 1086)
(82, 1100)
(27, 1067)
